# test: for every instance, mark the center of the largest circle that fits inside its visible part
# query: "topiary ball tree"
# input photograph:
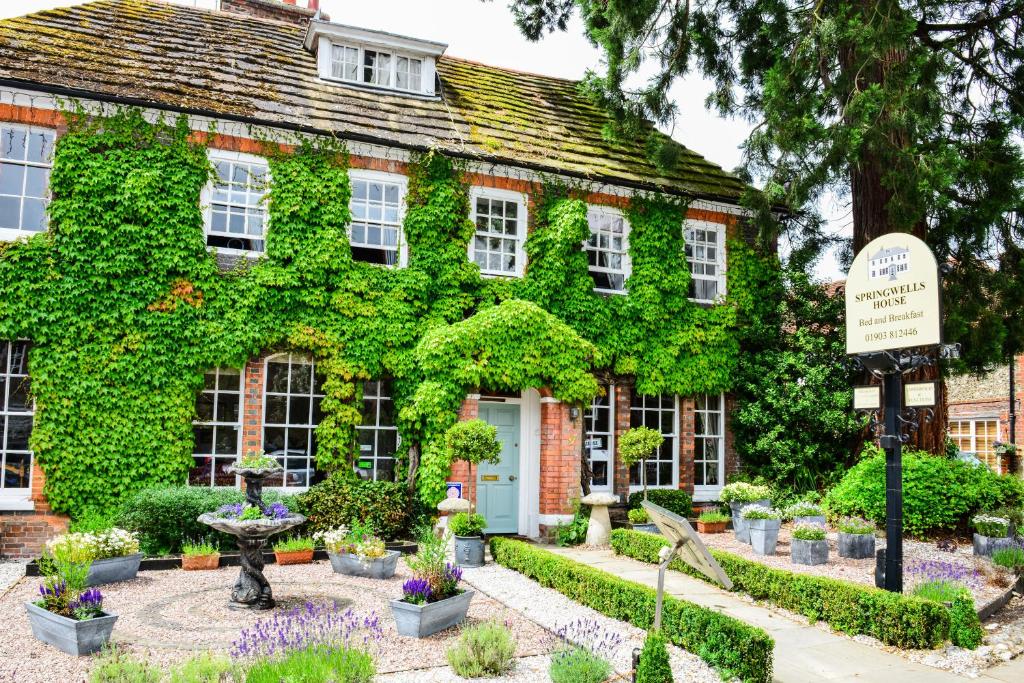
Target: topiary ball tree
(654, 665)
(636, 445)
(473, 441)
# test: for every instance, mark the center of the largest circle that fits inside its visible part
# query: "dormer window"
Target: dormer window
(376, 67)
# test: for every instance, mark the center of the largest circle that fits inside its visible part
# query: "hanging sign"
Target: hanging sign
(919, 394)
(867, 398)
(892, 296)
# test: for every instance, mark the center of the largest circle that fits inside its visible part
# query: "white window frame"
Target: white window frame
(973, 436)
(676, 436)
(521, 217)
(403, 186)
(705, 492)
(377, 428)
(392, 79)
(11, 234)
(607, 454)
(311, 455)
(627, 264)
(20, 498)
(206, 199)
(720, 256)
(217, 425)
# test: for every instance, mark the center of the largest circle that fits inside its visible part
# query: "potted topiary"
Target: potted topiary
(636, 445)
(358, 553)
(639, 520)
(432, 600)
(112, 555)
(199, 555)
(764, 523)
(806, 513)
(738, 495)
(808, 545)
(987, 530)
(468, 529)
(856, 538)
(67, 615)
(712, 522)
(296, 550)
(473, 441)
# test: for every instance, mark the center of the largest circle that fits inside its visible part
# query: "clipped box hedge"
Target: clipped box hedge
(900, 620)
(734, 648)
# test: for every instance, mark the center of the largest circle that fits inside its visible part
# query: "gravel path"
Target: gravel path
(10, 572)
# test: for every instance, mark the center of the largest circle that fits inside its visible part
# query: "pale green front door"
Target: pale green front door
(498, 485)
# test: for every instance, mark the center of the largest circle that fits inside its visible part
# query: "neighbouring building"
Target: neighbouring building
(263, 68)
(980, 414)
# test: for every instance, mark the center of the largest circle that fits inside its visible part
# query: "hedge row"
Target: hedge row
(894, 619)
(734, 648)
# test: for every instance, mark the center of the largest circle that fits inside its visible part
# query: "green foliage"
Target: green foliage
(574, 664)
(114, 665)
(673, 500)
(964, 626)
(638, 443)
(575, 531)
(734, 648)
(257, 461)
(855, 525)
(991, 525)
(467, 524)
(809, 532)
(315, 665)
(91, 521)
(654, 665)
(937, 493)
(637, 516)
(1011, 557)
(473, 441)
(894, 619)
(293, 544)
(743, 492)
(938, 590)
(341, 500)
(198, 548)
(713, 517)
(204, 668)
(484, 651)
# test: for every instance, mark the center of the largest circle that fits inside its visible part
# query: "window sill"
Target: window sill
(235, 252)
(12, 234)
(17, 504)
(617, 292)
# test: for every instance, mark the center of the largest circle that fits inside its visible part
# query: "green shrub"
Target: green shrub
(467, 524)
(729, 645)
(894, 619)
(166, 517)
(964, 626)
(483, 651)
(637, 516)
(293, 544)
(937, 493)
(204, 668)
(574, 664)
(473, 441)
(341, 500)
(315, 665)
(93, 521)
(673, 500)
(809, 532)
(575, 532)
(654, 666)
(114, 665)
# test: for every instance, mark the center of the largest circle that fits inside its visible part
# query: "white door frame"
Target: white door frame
(529, 458)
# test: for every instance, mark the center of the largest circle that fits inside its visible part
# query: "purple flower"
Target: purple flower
(88, 604)
(54, 591)
(416, 591)
(312, 625)
(452, 573)
(230, 511)
(277, 511)
(943, 570)
(589, 635)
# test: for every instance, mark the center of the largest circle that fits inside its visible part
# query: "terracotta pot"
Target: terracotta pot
(191, 563)
(711, 527)
(294, 557)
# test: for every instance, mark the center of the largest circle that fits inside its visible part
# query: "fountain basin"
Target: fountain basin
(251, 528)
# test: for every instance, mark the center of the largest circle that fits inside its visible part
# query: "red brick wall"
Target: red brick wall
(470, 410)
(687, 406)
(24, 533)
(252, 402)
(623, 396)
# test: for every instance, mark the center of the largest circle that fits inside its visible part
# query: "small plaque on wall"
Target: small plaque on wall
(867, 398)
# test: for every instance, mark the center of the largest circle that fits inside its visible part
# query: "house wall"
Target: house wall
(976, 397)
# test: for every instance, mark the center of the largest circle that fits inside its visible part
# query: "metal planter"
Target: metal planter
(856, 546)
(808, 552)
(764, 535)
(351, 564)
(984, 545)
(739, 525)
(469, 551)
(420, 621)
(69, 635)
(113, 569)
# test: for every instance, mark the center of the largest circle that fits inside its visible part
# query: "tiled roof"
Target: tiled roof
(253, 69)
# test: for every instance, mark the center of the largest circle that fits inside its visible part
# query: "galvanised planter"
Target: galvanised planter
(817, 520)
(856, 546)
(420, 621)
(113, 569)
(739, 525)
(469, 551)
(70, 635)
(351, 564)
(808, 552)
(764, 535)
(984, 545)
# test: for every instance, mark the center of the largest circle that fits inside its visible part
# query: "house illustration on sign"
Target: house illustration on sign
(889, 262)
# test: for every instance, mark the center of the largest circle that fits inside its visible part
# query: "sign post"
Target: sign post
(893, 322)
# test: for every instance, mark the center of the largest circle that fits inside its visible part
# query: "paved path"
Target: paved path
(803, 654)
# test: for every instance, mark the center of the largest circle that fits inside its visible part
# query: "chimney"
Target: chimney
(290, 11)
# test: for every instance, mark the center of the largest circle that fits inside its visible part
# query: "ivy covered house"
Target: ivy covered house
(258, 229)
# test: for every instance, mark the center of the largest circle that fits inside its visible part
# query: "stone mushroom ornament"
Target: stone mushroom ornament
(599, 528)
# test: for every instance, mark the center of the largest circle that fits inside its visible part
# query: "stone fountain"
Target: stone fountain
(252, 590)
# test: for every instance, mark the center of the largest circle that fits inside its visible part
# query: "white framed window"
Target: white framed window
(500, 219)
(599, 439)
(708, 446)
(235, 203)
(217, 429)
(291, 411)
(26, 156)
(978, 437)
(377, 435)
(608, 249)
(16, 413)
(380, 68)
(378, 207)
(408, 73)
(659, 412)
(705, 252)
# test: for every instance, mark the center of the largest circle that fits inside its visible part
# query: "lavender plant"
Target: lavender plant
(1009, 553)
(583, 654)
(309, 626)
(943, 571)
(87, 605)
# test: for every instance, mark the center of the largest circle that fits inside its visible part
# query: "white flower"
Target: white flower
(757, 511)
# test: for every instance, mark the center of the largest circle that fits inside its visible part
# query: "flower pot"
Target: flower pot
(856, 546)
(808, 552)
(984, 545)
(113, 569)
(816, 520)
(351, 564)
(469, 551)
(191, 563)
(420, 621)
(648, 527)
(764, 535)
(711, 527)
(739, 525)
(70, 635)
(294, 557)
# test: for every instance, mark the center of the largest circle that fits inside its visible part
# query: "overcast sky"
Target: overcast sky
(484, 31)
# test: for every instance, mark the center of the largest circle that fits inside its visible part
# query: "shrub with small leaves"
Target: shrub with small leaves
(637, 516)
(654, 664)
(483, 651)
(467, 524)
